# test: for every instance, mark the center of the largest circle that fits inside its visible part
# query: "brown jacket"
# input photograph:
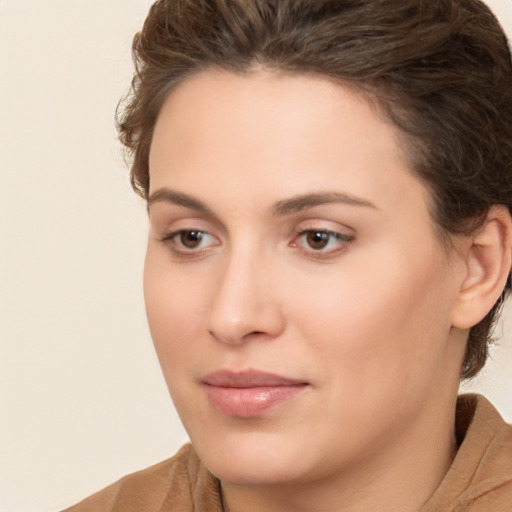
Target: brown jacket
(479, 479)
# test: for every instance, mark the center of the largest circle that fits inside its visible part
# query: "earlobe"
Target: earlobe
(488, 261)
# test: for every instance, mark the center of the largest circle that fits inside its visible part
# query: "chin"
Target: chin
(242, 471)
(252, 459)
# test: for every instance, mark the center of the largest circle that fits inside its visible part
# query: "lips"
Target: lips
(250, 393)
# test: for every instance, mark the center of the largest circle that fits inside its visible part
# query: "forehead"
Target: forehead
(210, 107)
(271, 135)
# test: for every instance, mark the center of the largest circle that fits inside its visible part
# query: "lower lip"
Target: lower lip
(251, 402)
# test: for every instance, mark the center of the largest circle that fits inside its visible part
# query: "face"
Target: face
(298, 298)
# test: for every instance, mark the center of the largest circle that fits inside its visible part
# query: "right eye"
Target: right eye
(186, 241)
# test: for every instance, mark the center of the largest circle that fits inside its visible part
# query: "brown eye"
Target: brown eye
(191, 239)
(190, 243)
(322, 242)
(318, 239)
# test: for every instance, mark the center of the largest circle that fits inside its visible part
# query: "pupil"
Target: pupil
(317, 239)
(191, 239)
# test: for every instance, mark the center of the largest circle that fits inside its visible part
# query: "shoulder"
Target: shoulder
(487, 448)
(496, 499)
(178, 484)
(480, 477)
(489, 441)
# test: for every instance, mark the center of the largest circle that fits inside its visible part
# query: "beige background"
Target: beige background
(82, 401)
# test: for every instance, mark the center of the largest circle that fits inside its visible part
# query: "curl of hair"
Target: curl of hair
(441, 71)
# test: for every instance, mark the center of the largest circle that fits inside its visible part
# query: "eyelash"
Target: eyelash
(341, 241)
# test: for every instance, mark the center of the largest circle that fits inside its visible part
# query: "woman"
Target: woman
(329, 189)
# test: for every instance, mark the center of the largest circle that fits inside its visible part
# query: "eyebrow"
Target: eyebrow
(166, 195)
(281, 208)
(305, 201)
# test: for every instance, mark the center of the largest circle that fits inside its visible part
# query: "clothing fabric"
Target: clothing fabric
(480, 476)
(478, 480)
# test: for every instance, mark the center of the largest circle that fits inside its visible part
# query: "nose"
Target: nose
(245, 303)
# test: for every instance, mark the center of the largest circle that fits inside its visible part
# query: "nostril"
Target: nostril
(255, 335)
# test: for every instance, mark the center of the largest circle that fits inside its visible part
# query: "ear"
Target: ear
(487, 260)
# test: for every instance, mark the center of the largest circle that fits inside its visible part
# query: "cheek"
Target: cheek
(387, 323)
(174, 311)
(175, 315)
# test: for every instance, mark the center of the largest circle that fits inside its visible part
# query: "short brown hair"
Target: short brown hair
(441, 70)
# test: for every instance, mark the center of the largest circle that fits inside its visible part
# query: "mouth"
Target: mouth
(250, 394)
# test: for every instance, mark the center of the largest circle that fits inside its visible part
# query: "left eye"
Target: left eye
(322, 240)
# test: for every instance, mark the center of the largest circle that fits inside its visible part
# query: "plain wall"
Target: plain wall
(82, 399)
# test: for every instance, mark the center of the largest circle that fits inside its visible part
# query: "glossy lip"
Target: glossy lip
(251, 393)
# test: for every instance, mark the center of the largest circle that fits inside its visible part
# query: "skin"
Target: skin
(373, 322)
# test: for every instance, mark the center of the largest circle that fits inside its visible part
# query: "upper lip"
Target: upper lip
(248, 379)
